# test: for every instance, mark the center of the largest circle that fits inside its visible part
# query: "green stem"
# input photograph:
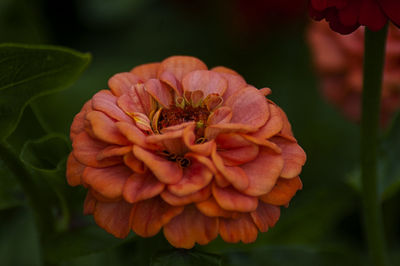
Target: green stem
(373, 70)
(42, 212)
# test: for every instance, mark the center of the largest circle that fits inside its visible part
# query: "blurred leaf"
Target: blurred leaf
(19, 240)
(296, 255)
(11, 194)
(85, 241)
(182, 257)
(388, 164)
(27, 72)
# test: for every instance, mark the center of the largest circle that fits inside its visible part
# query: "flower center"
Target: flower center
(175, 115)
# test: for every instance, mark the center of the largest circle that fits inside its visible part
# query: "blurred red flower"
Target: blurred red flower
(345, 16)
(192, 151)
(339, 60)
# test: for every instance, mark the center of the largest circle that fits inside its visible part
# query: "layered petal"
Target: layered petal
(191, 227)
(232, 200)
(179, 66)
(240, 229)
(141, 187)
(74, 170)
(206, 81)
(283, 191)
(265, 216)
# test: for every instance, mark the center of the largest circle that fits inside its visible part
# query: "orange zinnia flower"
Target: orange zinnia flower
(339, 60)
(192, 151)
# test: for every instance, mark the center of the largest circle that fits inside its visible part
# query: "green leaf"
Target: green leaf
(11, 194)
(30, 71)
(388, 164)
(81, 242)
(182, 257)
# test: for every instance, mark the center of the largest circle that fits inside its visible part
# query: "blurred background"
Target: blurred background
(265, 42)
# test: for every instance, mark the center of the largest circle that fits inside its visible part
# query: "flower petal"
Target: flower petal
(371, 15)
(104, 128)
(392, 10)
(211, 208)
(106, 102)
(263, 172)
(109, 181)
(113, 150)
(235, 150)
(122, 83)
(141, 187)
(90, 204)
(190, 227)
(114, 217)
(197, 196)
(179, 66)
(283, 191)
(150, 215)
(132, 162)
(220, 115)
(235, 175)
(169, 79)
(235, 230)
(189, 140)
(249, 107)
(146, 71)
(85, 150)
(74, 170)
(206, 81)
(133, 134)
(78, 124)
(159, 92)
(273, 125)
(166, 171)
(293, 155)
(195, 177)
(235, 81)
(265, 216)
(232, 200)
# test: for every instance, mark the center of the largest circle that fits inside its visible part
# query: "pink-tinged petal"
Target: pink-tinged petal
(171, 141)
(211, 208)
(106, 102)
(221, 115)
(122, 83)
(263, 142)
(273, 126)
(240, 229)
(213, 130)
(113, 150)
(109, 181)
(150, 215)
(191, 227)
(265, 91)
(235, 150)
(146, 71)
(166, 171)
(235, 81)
(78, 124)
(249, 107)
(74, 170)
(142, 121)
(204, 160)
(195, 177)
(286, 128)
(89, 204)
(85, 150)
(232, 200)
(179, 66)
(134, 135)
(221, 181)
(159, 92)
(103, 128)
(132, 162)
(141, 187)
(169, 79)
(263, 172)
(235, 175)
(197, 196)
(265, 216)
(283, 191)
(189, 139)
(136, 100)
(177, 127)
(392, 10)
(293, 155)
(114, 217)
(206, 81)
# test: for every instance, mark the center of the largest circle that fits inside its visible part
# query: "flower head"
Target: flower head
(192, 151)
(339, 59)
(345, 16)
